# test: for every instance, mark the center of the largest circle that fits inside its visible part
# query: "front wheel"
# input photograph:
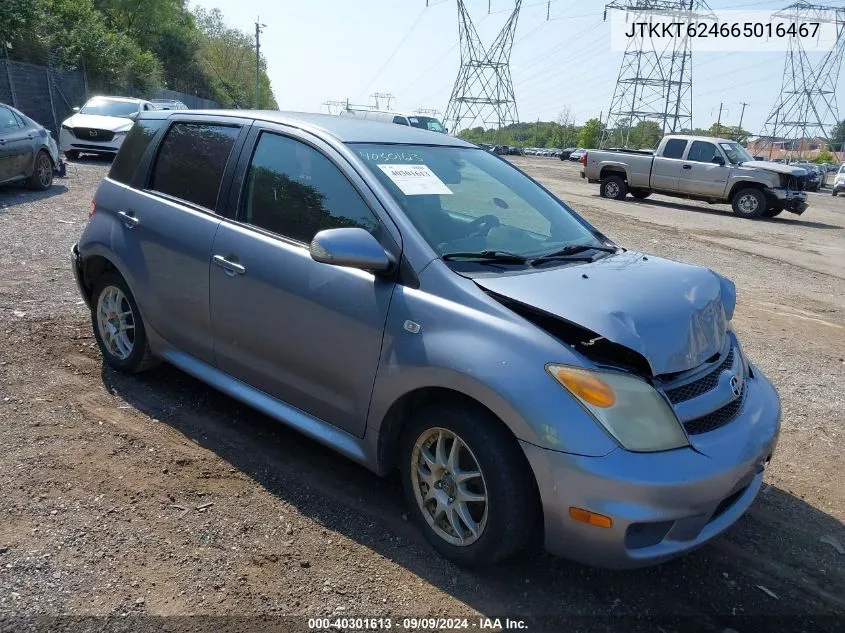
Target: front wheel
(42, 172)
(613, 187)
(468, 484)
(749, 203)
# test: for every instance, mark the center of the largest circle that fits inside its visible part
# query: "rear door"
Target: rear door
(306, 333)
(700, 175)
(168, 225)
(666, 168)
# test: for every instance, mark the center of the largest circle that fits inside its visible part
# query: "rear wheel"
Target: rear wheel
(42, 172)
(613, 187)
(118, 327)
(772, 212)
(467, 484)
(640, 194)
(749, 203)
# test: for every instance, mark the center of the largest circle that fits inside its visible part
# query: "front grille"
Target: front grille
(702, 385)
(92, 134)
(717, 418)
(796, 183)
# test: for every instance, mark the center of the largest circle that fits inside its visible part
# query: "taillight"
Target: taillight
(93, 208)
(584, 159)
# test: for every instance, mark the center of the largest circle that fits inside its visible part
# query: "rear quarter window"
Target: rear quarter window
(674, 148)
(133, 148)
(191, 162)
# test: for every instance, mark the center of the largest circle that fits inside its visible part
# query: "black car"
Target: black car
(564, 153)
(27, 151)
(813, 178)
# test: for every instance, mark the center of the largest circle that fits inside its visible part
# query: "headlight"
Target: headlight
(628, 408)
(123, 133)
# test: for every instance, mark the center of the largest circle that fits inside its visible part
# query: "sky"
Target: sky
(319, 50)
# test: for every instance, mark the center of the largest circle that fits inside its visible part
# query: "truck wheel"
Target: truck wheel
(834, 193)
(467, 484)
(640, 194)
(749, 203)
(613, 187)
(770, 213)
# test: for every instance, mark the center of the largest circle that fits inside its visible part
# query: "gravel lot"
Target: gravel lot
(156, 495)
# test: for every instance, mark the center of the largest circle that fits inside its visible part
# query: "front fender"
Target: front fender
(496, 359)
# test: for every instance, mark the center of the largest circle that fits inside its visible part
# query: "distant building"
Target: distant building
(783, 148)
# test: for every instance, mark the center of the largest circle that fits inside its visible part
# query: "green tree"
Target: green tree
(837, 136)
(16, 16)
(645, 135)
(824, 157)
(590, 134)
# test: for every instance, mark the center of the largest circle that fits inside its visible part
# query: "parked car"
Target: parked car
(564, 153)
(168, 104)
(578, 154)
(418, 304)
(28, 151)
(100, 126)
(701, 168)
(838, 182)
(814, 176)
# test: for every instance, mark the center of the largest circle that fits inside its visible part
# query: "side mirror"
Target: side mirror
(350, 247)
(718, 160)
(75, 108)
(134, 115)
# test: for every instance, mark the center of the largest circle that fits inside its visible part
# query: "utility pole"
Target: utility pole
(719, 120)
(258, 28)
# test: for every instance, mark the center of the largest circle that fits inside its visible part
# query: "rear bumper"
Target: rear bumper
(76, 266)
(662, 504)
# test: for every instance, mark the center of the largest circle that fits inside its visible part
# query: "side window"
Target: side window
(400, 120)
(133, 148)
(21, 123)
(191, 162)
(674, 148)
(702, 152)
(8, 121)
(295, 191)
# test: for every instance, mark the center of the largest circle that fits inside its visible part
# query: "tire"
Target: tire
(42, 172)
(613, 187)
(72, 154)
(834, 193)
(772, 212)
(749, 203)
(509, 517)
(138, 356)
(639, 194)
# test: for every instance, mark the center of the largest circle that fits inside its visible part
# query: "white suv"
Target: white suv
(100, 126)
(839, 181)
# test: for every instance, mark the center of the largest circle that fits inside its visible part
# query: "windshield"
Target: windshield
(736, 153)
(109, 107)
(468, 200)
(427, 123)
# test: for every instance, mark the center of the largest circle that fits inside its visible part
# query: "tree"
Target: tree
(15, 17)
(837, 136)
(590, 134)
(824, 157)
(645, 135)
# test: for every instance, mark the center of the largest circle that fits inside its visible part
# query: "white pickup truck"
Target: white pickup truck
(702, 168)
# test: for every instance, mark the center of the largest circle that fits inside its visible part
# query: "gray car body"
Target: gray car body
(19, 147)
(341, 360)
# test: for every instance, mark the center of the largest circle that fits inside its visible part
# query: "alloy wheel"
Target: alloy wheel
(116, 322)
(748, 203)
(449, 486)
(45, 171)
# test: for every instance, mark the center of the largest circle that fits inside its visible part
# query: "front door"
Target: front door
(700, 176)
(306, 333)
(16, 145)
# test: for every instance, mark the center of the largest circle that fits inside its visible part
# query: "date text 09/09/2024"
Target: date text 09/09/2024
(416, 624)
(723, 29)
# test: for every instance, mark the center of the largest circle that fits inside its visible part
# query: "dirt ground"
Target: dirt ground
(155, 495)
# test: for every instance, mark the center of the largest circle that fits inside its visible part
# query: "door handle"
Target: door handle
(228, 265)
(687, 166)
(129, 220)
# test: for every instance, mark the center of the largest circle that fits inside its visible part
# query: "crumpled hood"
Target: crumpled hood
(779, 168)
(674, 314)
(99, 122)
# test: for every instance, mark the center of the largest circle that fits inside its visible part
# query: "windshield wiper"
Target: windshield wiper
(503, 257)
(569, 251)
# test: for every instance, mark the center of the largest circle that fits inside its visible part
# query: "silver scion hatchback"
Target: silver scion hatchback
(417, 303)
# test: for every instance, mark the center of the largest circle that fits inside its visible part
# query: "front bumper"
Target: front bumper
(69, 142)
(788, 199)
(662, 504)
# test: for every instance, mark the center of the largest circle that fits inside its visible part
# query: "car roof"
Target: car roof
(127, 99)
(344, 129)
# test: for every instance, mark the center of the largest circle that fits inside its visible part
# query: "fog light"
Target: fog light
(593, 518)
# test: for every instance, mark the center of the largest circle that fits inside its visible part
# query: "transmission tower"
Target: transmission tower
(806, 107)
(654, 84)
(381, 95)
(483, 92)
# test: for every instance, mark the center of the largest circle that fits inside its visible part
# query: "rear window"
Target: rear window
(133, 148)
(191, 162)
(674, 148)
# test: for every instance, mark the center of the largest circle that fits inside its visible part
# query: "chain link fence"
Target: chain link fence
(48, 95)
